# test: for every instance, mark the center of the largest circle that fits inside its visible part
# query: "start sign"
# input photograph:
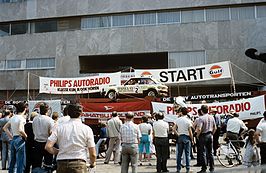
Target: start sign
(218, 70)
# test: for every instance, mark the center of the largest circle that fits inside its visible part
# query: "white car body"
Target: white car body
(138, 86)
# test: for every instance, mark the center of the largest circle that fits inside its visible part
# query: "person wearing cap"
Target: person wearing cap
(261, 131)
(42, 126)
(205, 130)
(113, 128)
(233, 129)
(75, 140)
(130, 138)
(216, 135)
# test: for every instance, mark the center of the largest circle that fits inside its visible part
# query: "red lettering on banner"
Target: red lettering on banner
(238, 107)
(60, 83)
(170, 110)
(91, 82)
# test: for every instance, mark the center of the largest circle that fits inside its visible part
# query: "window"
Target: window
(145, 19)
(192, 16)
(261, 11)
(4, 29)
(13, 64)
(186, 59)
(169, 17)
(68, 24)
(2, 64)
(40, 63)
(217, 14)
(123, 20)
(96, 22)
(19, 28)
(44, 26)
(242, 13)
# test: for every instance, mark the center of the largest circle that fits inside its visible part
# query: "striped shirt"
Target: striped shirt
(206, 123)
(73, 138)
(130, 133)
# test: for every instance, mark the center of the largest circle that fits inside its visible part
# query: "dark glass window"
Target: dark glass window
(4, 29)
(45, 26)
(19, 28)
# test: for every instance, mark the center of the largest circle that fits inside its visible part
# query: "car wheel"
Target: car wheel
(152, 93)
(111, 95)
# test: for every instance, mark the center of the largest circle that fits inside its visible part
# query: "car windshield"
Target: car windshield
(140, 81)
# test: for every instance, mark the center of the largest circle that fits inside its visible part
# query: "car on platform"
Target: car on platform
(138, 86)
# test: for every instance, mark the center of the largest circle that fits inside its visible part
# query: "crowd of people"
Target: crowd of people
(42, 143)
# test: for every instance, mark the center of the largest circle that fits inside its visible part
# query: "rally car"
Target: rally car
(143, 86)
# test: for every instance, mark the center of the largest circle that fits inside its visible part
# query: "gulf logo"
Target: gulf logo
(216, 71)
(146, 74)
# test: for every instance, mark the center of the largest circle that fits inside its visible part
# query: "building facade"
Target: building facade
(72, 38)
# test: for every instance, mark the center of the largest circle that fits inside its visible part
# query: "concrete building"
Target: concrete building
(71, 38)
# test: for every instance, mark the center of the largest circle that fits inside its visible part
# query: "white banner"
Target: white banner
(79, 85)
(55, 106)
(219, 70)
(251, 108)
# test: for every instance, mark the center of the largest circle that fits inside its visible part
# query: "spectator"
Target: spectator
(72, 152)
(195, 125)
(251, 155)
(130, 137)
(184, 130)
(5, 140)
(161, 142)
(216, 135)
(42, 128)
(205, 130)
(103, 138)
(261, 131)
(145, 140)
(17, 148)
(29, 144)
(113, 129)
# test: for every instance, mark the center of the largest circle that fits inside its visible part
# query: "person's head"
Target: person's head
(184, 111)
(251, 137)
(55, 116)
(65, 112)
(44, 107)
(129, 115)
(144, 119)
(33, 115)
(200, 112)
(74, 110)
(213, 111)
(7, 113)
(159, 115)
(204, 109)
(20, 107)
(236, 115)
(114, 114)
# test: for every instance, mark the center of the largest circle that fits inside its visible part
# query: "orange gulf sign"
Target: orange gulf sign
(216, 71)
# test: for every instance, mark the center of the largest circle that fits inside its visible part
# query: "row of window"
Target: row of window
(38, 63)
(135, 19)
(11, 1)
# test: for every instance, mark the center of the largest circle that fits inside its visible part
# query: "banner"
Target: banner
(251, 108)
(219, 70)
(104, 110)
(54, 106)
(80, 85)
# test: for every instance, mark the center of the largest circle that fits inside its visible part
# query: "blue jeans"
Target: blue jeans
(5, 154)
(184, 144)
(17, 155)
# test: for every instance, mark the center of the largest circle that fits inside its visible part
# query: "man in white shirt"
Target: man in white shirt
(113, 128)
(16, 123)
(42, 128)
(74, 139)
(161, 142)
(261, 131)
(185, 137)
(233, 128)
(130, 137)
